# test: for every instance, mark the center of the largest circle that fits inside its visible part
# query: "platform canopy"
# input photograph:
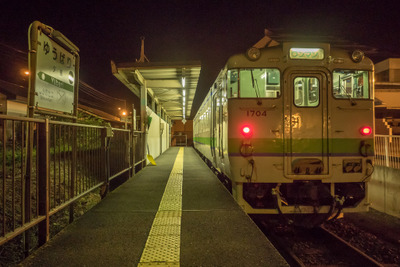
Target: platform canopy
(172, 84)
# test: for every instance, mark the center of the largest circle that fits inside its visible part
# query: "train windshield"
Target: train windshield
(306, 91)
(254, 83)
(350, 84)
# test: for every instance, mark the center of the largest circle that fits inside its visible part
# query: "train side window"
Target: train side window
(350, 84)
(306, 91)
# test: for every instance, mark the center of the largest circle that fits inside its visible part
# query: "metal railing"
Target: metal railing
(138, 155)
(48, 165)
(119, 152)
(387, 151)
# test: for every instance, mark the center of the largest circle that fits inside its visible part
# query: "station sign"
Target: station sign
(55, 71)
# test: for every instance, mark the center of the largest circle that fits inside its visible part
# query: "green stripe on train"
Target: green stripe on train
(265, 145)
(203, 140)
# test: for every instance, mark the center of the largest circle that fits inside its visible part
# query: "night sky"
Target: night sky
(209, 31)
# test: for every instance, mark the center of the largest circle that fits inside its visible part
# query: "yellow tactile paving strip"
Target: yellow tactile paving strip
(163, 243)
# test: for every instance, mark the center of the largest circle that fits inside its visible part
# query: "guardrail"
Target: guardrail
(47, 165)
(387, 151)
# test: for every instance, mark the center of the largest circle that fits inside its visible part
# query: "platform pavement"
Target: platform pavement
(214, 230)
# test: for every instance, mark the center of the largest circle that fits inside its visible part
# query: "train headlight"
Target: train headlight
(253, 53)
(352, 166)
(247, 131)
(357, 55)
(366, 130)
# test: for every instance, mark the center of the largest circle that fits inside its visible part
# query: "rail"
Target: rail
(47, 165)
(387, 151)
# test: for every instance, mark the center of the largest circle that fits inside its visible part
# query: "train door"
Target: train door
(215, 124)
(306, 124)
(218, 152)
(220, 123)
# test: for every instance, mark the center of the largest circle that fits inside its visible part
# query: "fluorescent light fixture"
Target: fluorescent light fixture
(183, 81)
(184, 92)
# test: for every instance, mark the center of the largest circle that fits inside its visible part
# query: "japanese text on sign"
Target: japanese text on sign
(55, 72)
(307, 53)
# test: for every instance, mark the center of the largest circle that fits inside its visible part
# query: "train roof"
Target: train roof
(334, 55)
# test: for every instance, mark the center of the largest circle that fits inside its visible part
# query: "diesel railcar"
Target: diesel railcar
(291, 127)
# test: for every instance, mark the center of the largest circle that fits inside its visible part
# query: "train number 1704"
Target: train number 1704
(256, 113)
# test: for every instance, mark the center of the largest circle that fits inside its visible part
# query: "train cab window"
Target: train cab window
(306, 92)
(254, 83)
(350, 84)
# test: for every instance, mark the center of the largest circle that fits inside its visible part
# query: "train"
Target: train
(290, 129)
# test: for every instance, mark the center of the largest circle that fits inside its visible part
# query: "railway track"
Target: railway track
(314, 247)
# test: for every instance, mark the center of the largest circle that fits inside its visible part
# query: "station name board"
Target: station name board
(55, 72)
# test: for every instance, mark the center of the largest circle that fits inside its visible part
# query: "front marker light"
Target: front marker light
(253, 53)
(366, 130)
(357, 56)
(247, 131)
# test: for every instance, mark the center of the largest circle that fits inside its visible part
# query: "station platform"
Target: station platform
(174, 214)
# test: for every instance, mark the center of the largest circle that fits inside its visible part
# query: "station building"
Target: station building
(387, 97)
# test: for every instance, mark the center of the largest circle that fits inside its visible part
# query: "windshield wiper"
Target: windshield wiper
(255, 84)
(352, 102)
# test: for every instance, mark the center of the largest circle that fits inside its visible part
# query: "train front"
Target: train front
(300, 130)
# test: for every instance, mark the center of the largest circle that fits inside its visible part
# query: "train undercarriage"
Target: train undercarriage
(305, 203)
